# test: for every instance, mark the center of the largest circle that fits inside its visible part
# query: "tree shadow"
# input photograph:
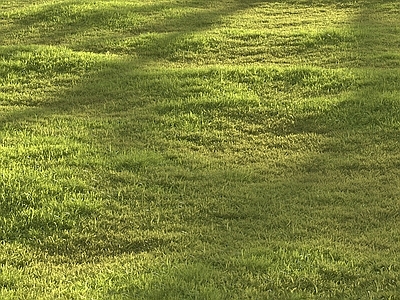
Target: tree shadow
(94, 92)
(111, 87)
(358, 160)
(372, 102)
(146, 27)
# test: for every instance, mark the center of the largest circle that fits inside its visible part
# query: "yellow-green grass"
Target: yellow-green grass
(199, 149)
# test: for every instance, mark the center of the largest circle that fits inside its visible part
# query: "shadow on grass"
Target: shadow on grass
(372, 106)
(354, 175)
(147, 29)
(119, 99)
(102, 89)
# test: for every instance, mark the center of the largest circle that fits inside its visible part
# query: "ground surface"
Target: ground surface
(193, 149)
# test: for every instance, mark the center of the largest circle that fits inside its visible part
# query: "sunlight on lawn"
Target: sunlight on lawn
(199, 150)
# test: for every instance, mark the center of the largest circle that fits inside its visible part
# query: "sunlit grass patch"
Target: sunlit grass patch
(199, 150)
(31, 75)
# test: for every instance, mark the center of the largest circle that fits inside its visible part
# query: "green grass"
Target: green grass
(199, 150)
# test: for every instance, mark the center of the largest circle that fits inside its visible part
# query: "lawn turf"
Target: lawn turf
(193, 149)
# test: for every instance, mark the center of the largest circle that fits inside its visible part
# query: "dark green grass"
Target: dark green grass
(199, 150)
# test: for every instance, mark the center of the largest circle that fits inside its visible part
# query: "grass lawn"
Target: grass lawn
(198, 149)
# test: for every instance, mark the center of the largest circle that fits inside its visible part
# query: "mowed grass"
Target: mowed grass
(199, 150)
